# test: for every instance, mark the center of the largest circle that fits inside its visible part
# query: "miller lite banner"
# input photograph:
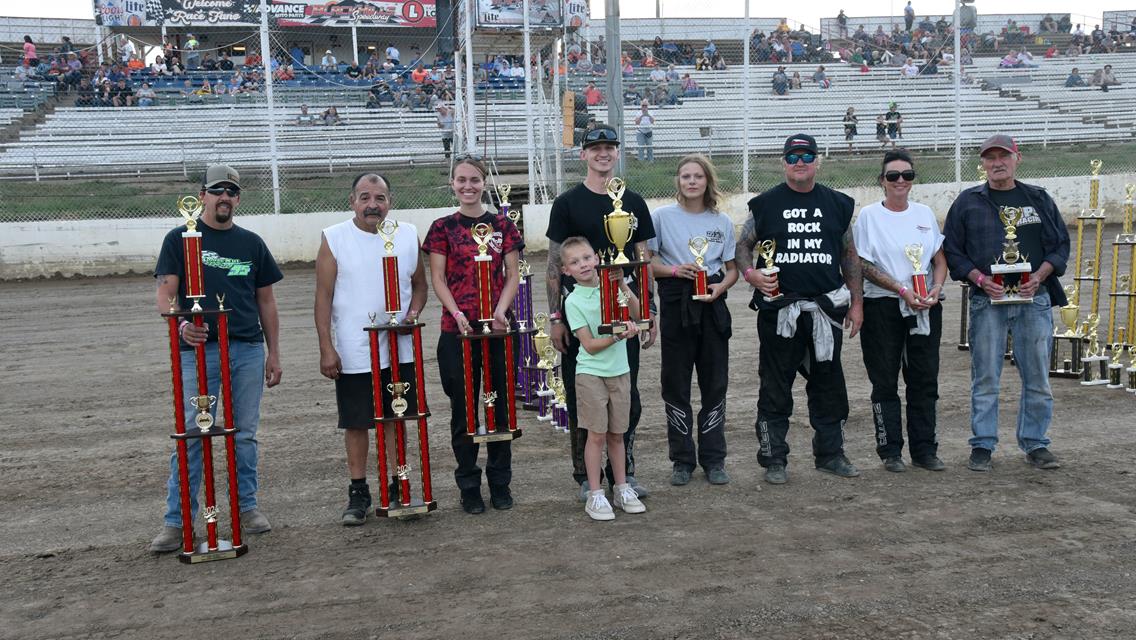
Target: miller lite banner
(285, 13)
(509, 13)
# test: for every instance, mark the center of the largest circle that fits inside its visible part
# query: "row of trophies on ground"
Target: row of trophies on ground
(1079, 352)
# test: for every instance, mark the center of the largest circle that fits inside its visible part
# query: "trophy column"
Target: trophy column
(1122, 295)
(1088, 268)
(213, 547)
(407, 505)
(964, 317)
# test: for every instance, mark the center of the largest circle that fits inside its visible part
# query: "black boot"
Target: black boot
(500, 497)
(358, 502)
(471, 501)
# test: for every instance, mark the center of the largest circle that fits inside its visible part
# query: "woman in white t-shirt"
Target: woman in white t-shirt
(695, 334)
(902, 328)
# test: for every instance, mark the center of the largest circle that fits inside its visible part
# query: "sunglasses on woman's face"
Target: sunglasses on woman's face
(894, 176)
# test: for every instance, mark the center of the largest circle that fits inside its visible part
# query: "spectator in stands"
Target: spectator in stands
(925, 25)
(208, 63)
(174, 65)
(330, 117)
(592, 95)
(671, 74)
(1074, 79)
(222, 93)
(710, 49)
(881, 130)
(780, 82)
(146, 95)
(908, 16)
(225, 63)
(253, 60)
(372, 101)
(285, 73)
(74, 71)
(85, 94)
(690, 88)
(328, 63)
(417, 99)
(644, 133)
(1010, 60)
(159, 68)
(1025, 60)
(795, 81)
(842, 24)
(392, 54)
(850, 121)
(135, 64)
(353, 70)
(894, 121)
(419, 75)
(305, 119)
(860, 35)
(718, 63)
(251, 82)
(122, 94)
(1105, 78)
(909, 69)
(821, 78)
(626, 68)
(187, 88)
(446, 125)
(192, 56)
(297, 55)
(1064, 24)
(126, 49)
(105, 96)
(1048, 24)
(1073, 51)
(658, 75)
(703, 63)
(649, 62)
(584, 64)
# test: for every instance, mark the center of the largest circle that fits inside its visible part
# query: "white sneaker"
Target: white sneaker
(626, 498)
(597, 507)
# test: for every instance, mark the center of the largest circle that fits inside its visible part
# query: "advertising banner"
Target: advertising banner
(507, 13)
(285, 13)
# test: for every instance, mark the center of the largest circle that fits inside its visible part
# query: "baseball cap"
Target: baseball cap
(602, 134)
(218, 173)
(801, 141)
(999, 141)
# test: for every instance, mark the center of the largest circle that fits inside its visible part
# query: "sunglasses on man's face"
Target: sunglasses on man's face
(601, 135)
(807, 158)
(894, 176)
(232, 192)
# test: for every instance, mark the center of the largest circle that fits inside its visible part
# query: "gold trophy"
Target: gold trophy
(1131, 369)
(767, 249)
(1121, 297)
(541, 341)
(914, 253)
(203, 419)
(387, 230)
(482, 234)
(503, 191)
(619, 224)
(698, 246)
(398, 402)
(1067, 367)
(190, 208)
(1096, 363)
(1093, 216)
(1014, 269)
(1115, 367)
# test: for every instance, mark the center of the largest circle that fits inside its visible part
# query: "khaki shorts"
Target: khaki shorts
(603, 405)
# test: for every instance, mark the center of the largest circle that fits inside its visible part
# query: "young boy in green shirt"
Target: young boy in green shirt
(603, 380)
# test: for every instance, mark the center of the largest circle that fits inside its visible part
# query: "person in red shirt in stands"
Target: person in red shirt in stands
(419, 74)
(592, 95)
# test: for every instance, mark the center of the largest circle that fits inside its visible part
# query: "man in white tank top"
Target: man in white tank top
(349, 286)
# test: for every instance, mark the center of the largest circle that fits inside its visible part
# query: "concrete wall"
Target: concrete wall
(105, 247)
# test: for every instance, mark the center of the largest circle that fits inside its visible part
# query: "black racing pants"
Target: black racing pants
(778, 362)
(579, 437)
(498, 466)
(685, 349)
(889, 350)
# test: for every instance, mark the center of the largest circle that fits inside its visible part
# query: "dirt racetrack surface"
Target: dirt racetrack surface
(1014, 554)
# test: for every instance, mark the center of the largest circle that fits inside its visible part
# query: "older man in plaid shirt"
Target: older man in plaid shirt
(974, 241)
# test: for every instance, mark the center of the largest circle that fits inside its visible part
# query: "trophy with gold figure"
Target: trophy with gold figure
(394, 341)
(767, 249)
(197, 410)
(698, 246)
(1122, 297)
(1131, 370)
(1087, 276)
(914, 253)
(1014, 269)
(620, 225)
(1065, 356)
(1095, 370)
(1115, 368)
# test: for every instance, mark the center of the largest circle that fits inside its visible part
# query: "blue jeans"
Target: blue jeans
(1031, 326)
(644, 146)
(246, 363)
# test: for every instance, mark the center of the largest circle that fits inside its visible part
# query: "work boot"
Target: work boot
(358, 503)
(168, 540)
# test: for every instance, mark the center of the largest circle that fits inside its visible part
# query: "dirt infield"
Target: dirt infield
(1014, 554)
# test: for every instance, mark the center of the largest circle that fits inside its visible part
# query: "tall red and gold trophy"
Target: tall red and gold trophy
(1014, 269)
(204, 429)
(490, 431)
(698, 246)
(407, 505)
(619, 226)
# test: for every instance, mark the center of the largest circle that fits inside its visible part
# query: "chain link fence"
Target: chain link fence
(119, 162)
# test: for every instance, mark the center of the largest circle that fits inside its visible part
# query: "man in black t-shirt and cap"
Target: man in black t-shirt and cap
(580, 211)
(238, 265)
(973, 240)
(821, 291)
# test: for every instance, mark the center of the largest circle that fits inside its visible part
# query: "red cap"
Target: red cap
(999, 141)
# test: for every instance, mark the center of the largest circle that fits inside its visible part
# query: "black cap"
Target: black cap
(801, 141)
(601, 134)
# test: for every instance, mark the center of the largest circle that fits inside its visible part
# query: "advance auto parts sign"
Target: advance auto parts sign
(285, 13)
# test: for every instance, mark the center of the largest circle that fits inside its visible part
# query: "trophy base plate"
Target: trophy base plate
(478, 334)
(773, 298)
(415, 509)
(1062, 373)
(387, 326)
(701, 298)
(406, 417)
(224, 551)
(615, 329)
(195, 433)
(1093, 383)
(1114, 386)
(1011, 300)
(496, 436)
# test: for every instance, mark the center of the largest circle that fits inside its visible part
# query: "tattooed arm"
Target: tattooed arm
(878, 276)
(743, 257)
(854, 279)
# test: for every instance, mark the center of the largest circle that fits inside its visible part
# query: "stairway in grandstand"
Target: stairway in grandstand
(1031, 103)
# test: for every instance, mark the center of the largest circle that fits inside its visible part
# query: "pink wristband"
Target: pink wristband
(902, 290)
(674, 271)
(981, 279)
(745, 274)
